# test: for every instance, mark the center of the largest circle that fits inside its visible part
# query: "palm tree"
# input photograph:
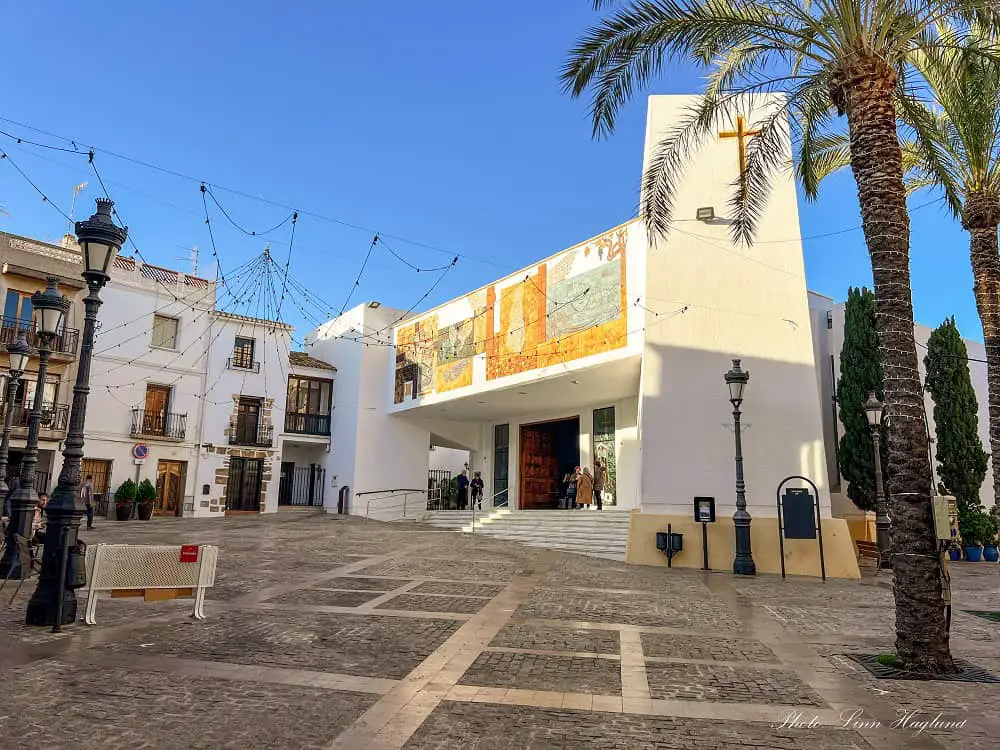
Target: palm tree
(826, 57)
(955, 148)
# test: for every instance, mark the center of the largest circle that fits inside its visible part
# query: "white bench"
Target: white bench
(155, 572)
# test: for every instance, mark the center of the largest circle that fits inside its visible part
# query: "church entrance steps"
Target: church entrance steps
(586, 532)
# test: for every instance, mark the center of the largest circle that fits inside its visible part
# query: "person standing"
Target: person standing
(571, 481)
(463, 490)
(600, 473)
(585, 488)
(477, 490)
(87, 496)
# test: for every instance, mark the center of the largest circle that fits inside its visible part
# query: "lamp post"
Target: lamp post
(49, 307)
(874, 410)
(737, 379)
(19, 353)
(54, 600)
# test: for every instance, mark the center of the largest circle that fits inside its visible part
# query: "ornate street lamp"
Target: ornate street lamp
(19, 353)
(874, 410)
(737, 379)
(49, 307)
(54, 601)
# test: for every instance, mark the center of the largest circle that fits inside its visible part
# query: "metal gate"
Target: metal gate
(100, 470)
(604, 448)
(243, 487)
(437, 488)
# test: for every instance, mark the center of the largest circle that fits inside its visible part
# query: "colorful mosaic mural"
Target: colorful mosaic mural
(570, 307)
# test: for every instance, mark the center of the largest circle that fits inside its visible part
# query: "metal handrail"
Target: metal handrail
(404, 493)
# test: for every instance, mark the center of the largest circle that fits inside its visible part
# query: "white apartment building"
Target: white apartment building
(148, 375)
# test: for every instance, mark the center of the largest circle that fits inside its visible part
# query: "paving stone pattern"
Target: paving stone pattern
(420, 603)
(487, 639)
(675, 646)
(557, 639)
(60, 705)
(349, 644)
(452, 725)
(729, 684)
(541, 672)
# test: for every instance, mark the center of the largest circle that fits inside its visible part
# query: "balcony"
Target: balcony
(54, 416)
(307, 424)
(243, 364)
(66, 343)
(251, 433)
(158, 424)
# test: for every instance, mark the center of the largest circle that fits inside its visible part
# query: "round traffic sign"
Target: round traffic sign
(140, 451)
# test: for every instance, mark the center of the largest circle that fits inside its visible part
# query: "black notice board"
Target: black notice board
(799, 513)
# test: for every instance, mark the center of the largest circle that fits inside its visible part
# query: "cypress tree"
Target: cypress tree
(860, 374)
(960, 455)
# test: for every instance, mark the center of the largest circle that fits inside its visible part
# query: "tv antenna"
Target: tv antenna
(72, 206)
(192, 257)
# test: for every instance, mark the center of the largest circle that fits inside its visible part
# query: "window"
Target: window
(243, 353)
(48, 394)
(17, 309)
(307, 406)
(164, 335)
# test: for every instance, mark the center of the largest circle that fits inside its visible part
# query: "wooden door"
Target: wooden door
(154, 420)
(248, 421)
(169, 487)
(243, 487)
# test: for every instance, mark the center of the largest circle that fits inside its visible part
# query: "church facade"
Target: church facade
(613, 350)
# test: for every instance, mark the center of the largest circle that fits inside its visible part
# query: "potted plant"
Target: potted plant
(124, 498)
(976, 527)
(990, 552)
(145, 495)
(954, 551)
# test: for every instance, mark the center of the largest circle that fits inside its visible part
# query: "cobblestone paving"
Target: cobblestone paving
(458, 589)
(418, 603)
(350, 644)
(538, 672)
(716, 649)
(453, 724)
(610, 606)
(557, 639)
(491, 645)
(731, 684)
(59, 705)
(326, 598)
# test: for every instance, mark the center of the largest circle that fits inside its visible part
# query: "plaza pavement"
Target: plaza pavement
(333, 632)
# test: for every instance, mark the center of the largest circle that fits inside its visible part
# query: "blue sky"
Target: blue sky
(438, 122)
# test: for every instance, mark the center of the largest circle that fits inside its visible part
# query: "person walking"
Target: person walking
(571, 482)
(477, 490)
(600, 473)
(585, 488)
(87, 496)
(463, 489)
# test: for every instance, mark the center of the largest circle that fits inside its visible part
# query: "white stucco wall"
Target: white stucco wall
(224, 388)
(124, 363)
(741, 302)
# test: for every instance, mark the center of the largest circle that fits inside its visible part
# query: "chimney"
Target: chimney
(69, 242)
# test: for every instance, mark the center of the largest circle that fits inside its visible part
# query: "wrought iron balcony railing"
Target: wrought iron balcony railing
(243, 363)
(251, 433)
(67, 342)
(307, 424)
(161, 424)
(54, 416)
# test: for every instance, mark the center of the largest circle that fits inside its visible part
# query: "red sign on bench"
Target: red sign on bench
(189, 553)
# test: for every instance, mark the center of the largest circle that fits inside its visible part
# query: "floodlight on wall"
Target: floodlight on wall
(705, 214)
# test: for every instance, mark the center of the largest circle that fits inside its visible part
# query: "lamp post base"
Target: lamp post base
(43, 608)
(743, 564)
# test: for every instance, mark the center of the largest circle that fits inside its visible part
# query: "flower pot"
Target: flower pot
(990, 553)
(145, 511)
(973, 554)
(123, 512)
(955, 555)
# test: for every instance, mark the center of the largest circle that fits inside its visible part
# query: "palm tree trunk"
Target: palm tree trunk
(865, 94)
(982, 215)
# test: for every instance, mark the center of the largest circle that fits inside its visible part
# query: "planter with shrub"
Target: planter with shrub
(124, 499)
(145, 496)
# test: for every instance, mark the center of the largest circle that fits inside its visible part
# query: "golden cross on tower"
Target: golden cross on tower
(742, 135)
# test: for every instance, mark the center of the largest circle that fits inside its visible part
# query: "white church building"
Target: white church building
(614, 348)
